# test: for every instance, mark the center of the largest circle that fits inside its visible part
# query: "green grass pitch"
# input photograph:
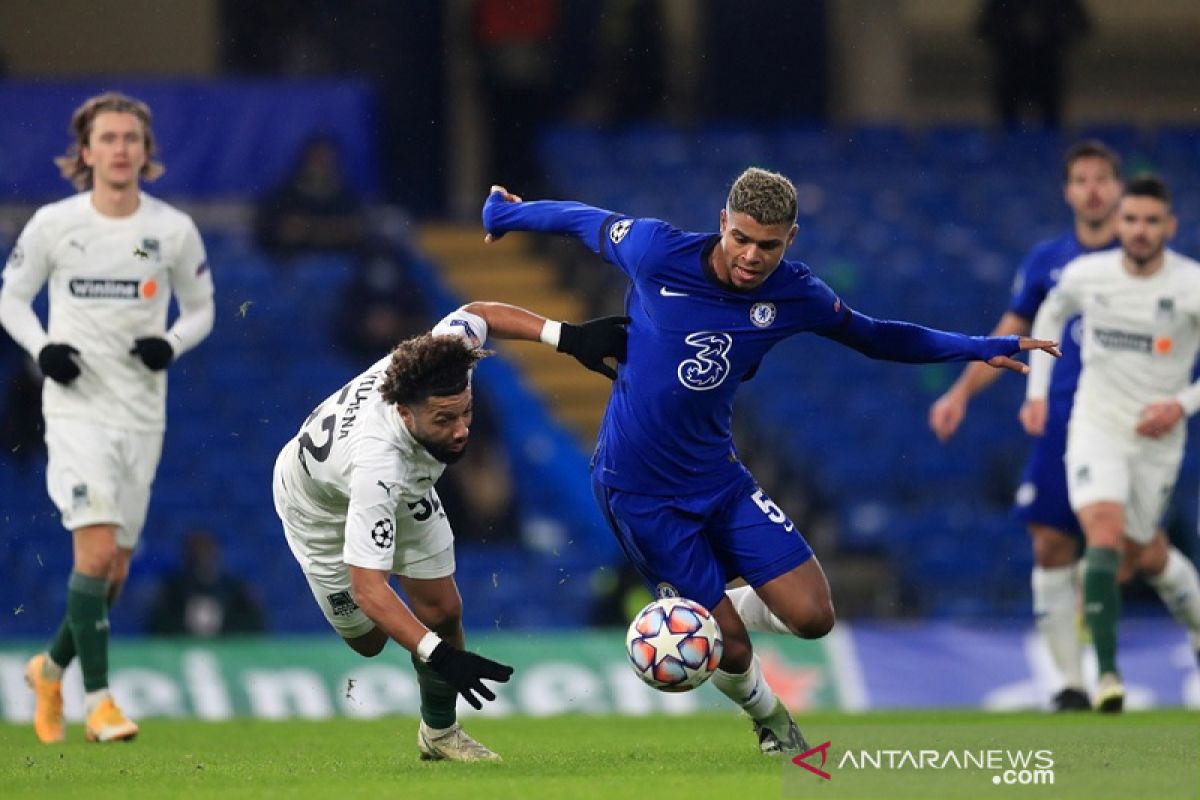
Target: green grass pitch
(701, 756)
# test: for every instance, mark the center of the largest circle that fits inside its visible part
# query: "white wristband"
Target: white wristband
(551, 332)
(427, 645)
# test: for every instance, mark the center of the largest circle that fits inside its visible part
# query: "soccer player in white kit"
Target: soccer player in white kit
(355, 492)
(112, 256)
(1141, 316)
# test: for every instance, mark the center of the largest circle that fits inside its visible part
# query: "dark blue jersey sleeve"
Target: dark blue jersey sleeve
(1029, 286)
(890, 340)
(617, 238)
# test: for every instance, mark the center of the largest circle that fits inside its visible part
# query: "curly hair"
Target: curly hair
(768, 197)
(71, 164)
(429, 365)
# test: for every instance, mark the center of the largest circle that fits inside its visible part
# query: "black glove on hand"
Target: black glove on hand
(154, 352)
(594, 340)
(464, 670)
(55, 362)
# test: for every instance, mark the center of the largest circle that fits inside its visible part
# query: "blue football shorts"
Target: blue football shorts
(1042, 497)
(691, 546)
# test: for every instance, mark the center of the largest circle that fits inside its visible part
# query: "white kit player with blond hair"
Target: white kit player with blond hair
(112, 257)
(1141, 315)
(355, 492)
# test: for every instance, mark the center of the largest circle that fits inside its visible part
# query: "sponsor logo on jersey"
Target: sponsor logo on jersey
(762, 314)
(665, 589)
(112, 288)
(709, 367)
(619, 230)
(342, 604)
(1163, 345)
(382, 533)
(16, 257)
(1123, 340)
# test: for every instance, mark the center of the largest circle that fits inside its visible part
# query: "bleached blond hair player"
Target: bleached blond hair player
(355, 492)
(1141, 334)
(112, 256)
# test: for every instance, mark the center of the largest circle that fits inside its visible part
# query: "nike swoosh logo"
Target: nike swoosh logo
(665, 292)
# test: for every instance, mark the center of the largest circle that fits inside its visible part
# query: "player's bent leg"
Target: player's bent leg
(740, 678)
(437, 603)
(1056, 610)
(801, 599)
(1174, 577)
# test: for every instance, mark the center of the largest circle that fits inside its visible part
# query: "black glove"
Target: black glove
(55, 362)
(465, 670)
(154, 351)
(594, 340)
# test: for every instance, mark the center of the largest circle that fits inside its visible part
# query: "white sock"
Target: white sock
(50, 670)
(754, 611)
(1179, 587)
(93, 699)
(749, 690)
(1056, 613)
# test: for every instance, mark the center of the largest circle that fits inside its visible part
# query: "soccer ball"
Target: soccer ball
(674, 644)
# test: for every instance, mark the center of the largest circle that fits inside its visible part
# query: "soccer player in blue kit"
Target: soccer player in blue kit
(1092, 188)
(705, 309)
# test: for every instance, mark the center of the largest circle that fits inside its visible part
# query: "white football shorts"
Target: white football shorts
(424, 550)
(99, 475)
(1138, 472)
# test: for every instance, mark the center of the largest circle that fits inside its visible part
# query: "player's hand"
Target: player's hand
(465, 671)
(55, 362)
(595, 340)
(1159, 418)
(1025, 343)
(1033, 417)
(946, 414)
(154, 351)
(504, 196)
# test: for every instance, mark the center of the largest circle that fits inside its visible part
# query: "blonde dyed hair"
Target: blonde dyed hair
(71, 163)
(768, 197)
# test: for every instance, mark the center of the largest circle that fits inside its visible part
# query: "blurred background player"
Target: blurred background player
(355, 491)
(706, 308)
(202, 598)
(113, 256)
(1141, 332)
(1091, 188)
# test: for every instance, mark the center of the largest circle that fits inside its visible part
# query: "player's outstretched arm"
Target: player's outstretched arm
(504, 212)
(891, 340)
(589, 342)
(463, 670)
(949, 410)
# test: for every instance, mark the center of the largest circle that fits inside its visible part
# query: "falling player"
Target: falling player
(355, 492)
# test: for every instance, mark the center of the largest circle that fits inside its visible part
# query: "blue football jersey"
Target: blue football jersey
(693, 340)
(1037, 275)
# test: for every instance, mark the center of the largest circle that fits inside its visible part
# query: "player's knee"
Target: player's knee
(97, 560)
(818, 622)
(444, 618)
(369, 644)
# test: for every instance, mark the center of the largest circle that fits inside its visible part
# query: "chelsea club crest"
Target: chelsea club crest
(762, 314)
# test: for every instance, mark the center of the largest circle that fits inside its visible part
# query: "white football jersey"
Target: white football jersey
(110, 282)
(355, 461)
(1140, 337)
